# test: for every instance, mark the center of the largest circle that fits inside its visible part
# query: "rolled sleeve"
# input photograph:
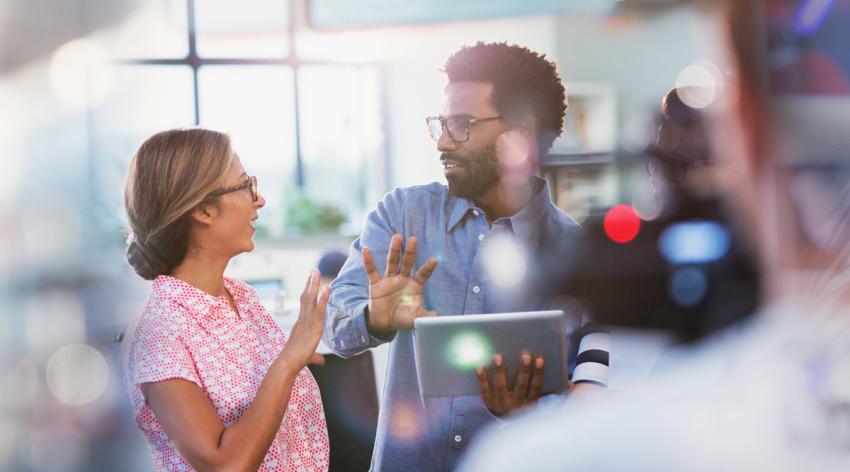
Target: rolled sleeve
(345, 328)
(590, 344)
(592, 359)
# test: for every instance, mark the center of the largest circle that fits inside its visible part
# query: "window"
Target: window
(311, 130)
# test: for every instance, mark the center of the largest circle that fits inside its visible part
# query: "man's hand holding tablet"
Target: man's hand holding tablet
(500, 401)
(527, 386)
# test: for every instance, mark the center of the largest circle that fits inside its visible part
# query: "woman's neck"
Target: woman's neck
(203, 271)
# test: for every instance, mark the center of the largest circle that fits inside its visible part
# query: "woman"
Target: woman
(213, 381)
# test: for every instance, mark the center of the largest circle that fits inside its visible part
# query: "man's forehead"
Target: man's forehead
(468, 99)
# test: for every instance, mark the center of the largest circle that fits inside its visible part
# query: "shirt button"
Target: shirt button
(458, 438)
(476, 289)
(475, 212)
(481, 237)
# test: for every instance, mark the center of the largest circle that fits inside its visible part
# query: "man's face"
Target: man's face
(471, 167)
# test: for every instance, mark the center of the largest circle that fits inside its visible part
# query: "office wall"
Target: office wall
(640, 53)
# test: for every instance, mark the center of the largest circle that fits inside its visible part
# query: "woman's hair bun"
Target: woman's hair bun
(145, 260)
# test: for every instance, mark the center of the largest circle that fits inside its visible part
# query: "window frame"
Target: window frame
(195, 62)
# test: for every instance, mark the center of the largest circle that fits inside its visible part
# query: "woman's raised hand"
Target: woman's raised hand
(300, 348)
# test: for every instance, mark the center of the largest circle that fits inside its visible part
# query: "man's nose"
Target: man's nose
(446, 143)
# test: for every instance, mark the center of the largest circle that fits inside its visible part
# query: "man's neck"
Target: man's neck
(203, 271)
(505, 199)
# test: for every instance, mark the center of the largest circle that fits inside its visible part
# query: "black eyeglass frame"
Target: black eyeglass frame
(250, 183)
(467, 122)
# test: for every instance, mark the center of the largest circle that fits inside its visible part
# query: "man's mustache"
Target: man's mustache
(448, 156)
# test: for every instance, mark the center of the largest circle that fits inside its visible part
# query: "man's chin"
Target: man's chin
(457, 187)
(464, 188)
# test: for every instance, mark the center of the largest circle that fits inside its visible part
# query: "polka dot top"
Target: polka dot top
(186, 333)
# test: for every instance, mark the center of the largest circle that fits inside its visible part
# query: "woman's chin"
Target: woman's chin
(245, 247)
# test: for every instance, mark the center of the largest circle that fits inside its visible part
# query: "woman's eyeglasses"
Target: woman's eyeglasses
(250, 183)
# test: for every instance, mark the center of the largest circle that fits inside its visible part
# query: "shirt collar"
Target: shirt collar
(524, 222)
(459, 208)
(195, 300)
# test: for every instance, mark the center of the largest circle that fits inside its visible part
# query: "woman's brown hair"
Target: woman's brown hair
(171, 173)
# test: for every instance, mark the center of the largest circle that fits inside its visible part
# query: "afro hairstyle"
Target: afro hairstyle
(523, 81)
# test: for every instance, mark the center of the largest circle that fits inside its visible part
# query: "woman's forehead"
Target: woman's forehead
(236, 170)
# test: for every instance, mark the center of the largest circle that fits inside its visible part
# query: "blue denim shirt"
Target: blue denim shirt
(431, 433)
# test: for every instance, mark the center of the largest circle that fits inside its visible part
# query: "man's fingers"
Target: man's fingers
(392, 256)
(369, 265)
(486, 391)
(424, 272)
(523, 374)
(500, 383)
(409, 257)
(536, 385)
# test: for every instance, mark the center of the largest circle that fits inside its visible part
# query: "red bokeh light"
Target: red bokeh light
(622, 224)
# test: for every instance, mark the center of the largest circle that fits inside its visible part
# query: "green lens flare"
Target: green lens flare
(469, 350)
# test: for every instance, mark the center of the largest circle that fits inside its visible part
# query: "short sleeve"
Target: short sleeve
(158, 353)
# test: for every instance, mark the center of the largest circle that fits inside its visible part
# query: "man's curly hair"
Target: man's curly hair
(523, 81)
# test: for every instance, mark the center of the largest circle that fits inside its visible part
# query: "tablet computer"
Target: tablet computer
(448, 349)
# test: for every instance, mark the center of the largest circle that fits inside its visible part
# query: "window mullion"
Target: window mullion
(293, 58)
(193, 58)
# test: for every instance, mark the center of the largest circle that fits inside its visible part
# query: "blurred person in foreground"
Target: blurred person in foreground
(504, 106)
(771, 393)
(214, 383)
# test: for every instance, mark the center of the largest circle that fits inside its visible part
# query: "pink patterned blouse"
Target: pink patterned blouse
(186, 333)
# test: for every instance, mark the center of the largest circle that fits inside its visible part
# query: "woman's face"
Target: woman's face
(234, 226)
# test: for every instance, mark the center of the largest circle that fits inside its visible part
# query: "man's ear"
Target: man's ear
(205, 213)
(527, 125)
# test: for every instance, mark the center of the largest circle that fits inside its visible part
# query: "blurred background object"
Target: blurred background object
(349, 392)
(325, 101)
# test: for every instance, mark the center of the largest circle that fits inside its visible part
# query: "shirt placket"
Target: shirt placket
(475, 295)
(475, 283)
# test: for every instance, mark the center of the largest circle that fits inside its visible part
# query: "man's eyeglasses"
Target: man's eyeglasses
(457, 126)
(250, 183)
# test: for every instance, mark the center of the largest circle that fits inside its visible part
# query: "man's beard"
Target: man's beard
(481, 172)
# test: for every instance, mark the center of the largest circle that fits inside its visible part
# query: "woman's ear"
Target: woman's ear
(205, 213)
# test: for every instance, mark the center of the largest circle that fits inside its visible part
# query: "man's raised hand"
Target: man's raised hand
(395, 299)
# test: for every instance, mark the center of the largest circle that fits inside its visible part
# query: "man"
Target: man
(772, 393)
(504, 106)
